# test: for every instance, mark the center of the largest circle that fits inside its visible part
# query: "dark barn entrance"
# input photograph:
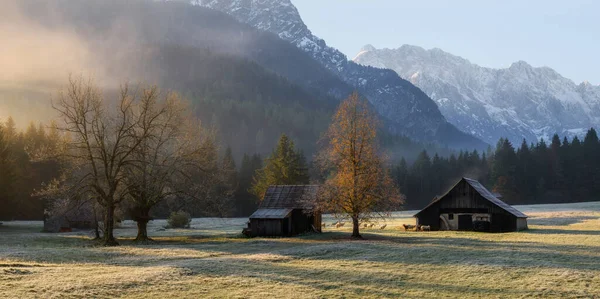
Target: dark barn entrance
(465, 222)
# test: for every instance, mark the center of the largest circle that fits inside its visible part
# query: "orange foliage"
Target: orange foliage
(358, 183)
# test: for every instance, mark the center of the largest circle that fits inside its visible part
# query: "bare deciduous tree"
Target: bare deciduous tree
(104, 135)
(135, 151)
(175, 153)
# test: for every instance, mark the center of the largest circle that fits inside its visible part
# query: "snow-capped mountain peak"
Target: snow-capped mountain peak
(520, 101)
(405, 108)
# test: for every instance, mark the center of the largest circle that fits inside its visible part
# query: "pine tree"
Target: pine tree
(525, 172)
(421, 170)
(229, 170)
(7, 176)
(556, 171)
(246, 202)
(503, 170)
(400, 174)
(591, 167)
(285, 166)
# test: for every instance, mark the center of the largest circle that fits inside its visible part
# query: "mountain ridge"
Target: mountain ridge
(517, 102)
(410, 111)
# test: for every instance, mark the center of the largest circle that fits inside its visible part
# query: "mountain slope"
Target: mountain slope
(406, 108)
(250, 84)
(517, 102)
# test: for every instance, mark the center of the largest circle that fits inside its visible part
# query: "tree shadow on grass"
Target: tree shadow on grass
(354, 280)
(549, 231)
(421, 248)
(559, 221)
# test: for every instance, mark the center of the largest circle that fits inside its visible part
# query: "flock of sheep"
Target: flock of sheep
(407, 227)
(422, 228)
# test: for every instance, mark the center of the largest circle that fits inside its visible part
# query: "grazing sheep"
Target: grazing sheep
(339, 224)
(425, 227)
(365, 225)
(408, 226)
(383, 226)
(372, 225)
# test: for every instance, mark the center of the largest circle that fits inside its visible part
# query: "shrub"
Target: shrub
(179, 219)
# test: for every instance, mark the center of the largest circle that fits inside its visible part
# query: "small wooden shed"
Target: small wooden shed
(470, 206)
(285, 211)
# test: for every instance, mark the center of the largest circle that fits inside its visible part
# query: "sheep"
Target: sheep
(383, 227)
(425, 227)
(408, 226)
(342, 223)
(365, 225)
(372, 225)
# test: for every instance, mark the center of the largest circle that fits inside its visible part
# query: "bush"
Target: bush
(179, 219)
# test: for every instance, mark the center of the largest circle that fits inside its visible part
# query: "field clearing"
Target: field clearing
(558, 257)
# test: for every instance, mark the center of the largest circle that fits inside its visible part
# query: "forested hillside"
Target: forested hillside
(249, 84)
(21, 172)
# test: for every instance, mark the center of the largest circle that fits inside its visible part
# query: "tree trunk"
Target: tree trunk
(109, 225)
(355, 228)
(96, 225)
(96, 230)
(141, 216)
(142, 234)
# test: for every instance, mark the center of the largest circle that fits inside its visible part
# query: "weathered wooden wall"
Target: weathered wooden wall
(463, 199)
(298, 222)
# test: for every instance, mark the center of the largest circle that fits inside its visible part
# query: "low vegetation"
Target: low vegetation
(558, 257)
(179, 219)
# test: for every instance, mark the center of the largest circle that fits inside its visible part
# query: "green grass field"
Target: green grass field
(558, 257)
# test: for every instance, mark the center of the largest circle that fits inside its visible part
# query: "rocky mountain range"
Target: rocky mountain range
(406, 109)
(249, 84)
(517, 102)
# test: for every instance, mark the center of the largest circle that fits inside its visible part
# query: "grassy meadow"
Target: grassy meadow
(558, 257)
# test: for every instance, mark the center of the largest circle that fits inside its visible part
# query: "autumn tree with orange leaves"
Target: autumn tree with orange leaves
(357, 184)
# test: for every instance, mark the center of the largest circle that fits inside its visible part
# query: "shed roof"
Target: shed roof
(485, 193)
(287, 196)
(271, 213)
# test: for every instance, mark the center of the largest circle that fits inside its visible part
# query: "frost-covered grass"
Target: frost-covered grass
(558, 257)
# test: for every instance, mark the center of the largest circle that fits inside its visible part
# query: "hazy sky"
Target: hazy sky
(561, 34)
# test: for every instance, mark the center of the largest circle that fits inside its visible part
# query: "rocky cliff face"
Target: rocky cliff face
(406, 109)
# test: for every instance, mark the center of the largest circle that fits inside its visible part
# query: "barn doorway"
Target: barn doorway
(465, 222)
(285, 227)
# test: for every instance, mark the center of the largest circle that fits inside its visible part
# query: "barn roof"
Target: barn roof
(485, 193)
(287, 196)
(271, 213)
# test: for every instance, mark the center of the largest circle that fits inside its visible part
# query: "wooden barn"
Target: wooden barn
(470, 206)
(284, 212)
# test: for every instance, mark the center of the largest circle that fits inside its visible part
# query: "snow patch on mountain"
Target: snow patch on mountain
(405, 108)
(517, 102)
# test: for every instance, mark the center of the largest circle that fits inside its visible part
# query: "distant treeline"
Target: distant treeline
(21, 172)
(560, 172)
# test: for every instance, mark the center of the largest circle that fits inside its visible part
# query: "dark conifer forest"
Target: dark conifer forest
(560, 171)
